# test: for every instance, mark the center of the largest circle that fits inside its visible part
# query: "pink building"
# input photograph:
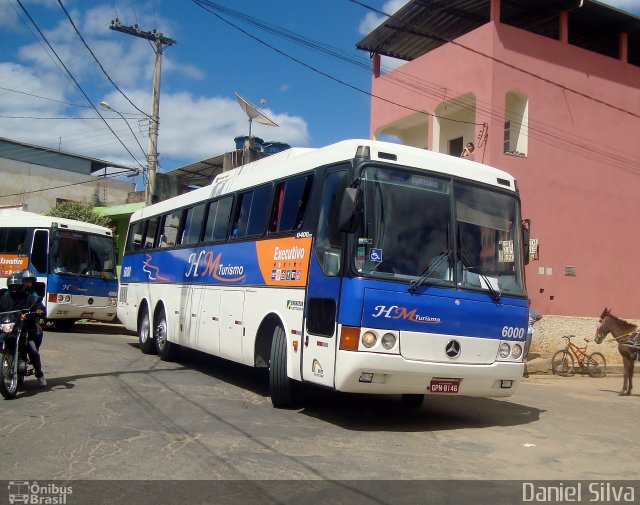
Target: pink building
(548, 90)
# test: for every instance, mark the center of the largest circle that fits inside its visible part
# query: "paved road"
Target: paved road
(110, 412)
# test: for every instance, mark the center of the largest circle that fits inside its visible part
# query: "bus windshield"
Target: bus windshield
(79, 253)
(409, 233)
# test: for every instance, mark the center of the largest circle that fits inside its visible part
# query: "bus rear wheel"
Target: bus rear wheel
(145, 339)
(165, 349)
(281, 386)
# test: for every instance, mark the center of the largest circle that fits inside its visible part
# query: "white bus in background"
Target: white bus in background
(74, 263)
(363, 266)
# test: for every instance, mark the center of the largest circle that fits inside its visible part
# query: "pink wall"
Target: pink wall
(580, 183)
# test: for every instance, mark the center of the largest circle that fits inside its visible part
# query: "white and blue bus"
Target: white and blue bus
(363, 266)
(74, 263)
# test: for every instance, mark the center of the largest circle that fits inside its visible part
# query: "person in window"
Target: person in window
(15, 298)
(468, 151)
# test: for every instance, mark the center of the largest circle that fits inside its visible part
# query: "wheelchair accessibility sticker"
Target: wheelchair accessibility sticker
(375, 255)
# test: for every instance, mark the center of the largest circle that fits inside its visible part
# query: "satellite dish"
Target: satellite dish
(253, 112)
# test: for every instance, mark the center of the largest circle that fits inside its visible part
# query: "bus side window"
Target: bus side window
(218, 220)
(134, 240)
(193, 225)
(13, 240)
(292, 197)
(251, 218)
(169, 229)
(328, 237)
(150, 235)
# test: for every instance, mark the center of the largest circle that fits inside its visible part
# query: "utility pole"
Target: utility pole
(160, 42)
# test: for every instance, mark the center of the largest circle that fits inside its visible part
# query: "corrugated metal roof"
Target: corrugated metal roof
(423, 25)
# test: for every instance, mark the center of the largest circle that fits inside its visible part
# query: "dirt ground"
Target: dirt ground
(548, 332)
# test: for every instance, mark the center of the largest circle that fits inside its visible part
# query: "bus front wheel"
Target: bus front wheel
(145, 339)
(281, 386)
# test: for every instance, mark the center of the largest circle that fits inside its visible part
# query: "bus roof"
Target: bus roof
(11, 218)
(298, 160)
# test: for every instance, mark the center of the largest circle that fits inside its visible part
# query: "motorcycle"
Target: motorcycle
(14, 360)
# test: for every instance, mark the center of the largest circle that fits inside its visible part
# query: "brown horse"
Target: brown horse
(626, 334)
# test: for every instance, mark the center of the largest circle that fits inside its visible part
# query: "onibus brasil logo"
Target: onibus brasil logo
(23, 491)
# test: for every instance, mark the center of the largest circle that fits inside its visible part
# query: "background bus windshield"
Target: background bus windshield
(77, 253)
(408, 231)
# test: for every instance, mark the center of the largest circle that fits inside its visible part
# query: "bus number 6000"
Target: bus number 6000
(512, 332)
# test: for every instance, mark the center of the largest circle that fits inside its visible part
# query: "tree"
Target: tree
(80, 212)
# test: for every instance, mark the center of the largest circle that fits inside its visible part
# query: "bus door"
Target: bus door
(189, 315)
(231, 324)
(323, 288)
(39, 260)
(208, 335)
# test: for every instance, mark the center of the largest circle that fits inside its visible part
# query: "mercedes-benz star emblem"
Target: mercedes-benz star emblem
(452, 349)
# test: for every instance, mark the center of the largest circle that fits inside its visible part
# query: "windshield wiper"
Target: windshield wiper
(431, 267)
(466, 262)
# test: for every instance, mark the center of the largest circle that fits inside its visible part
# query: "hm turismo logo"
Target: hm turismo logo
(38, 494)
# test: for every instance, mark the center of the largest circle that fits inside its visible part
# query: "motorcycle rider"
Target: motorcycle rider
(15, 298)
(35, 330)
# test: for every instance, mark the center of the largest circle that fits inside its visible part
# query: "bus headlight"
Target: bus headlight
(113, 301)
(369, 339)
(388, 341)
(516, 352)
(504, 350)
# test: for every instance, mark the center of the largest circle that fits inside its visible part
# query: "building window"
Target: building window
(516, 124)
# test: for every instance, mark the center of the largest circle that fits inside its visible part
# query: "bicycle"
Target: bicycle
(564, 360)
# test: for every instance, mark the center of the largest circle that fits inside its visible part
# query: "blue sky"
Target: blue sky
(199, 115)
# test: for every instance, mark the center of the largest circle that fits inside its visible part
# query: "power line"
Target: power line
(98, 61)
(75, 81)
(95, 179)
(45, 98)
(202, 3)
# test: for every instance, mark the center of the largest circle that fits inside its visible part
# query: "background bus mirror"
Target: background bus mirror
(350, 210)
(526, 234)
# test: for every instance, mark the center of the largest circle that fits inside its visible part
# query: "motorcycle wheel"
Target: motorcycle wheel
(8, 380)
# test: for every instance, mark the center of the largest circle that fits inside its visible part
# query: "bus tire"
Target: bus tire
(281, 386)
(145, 338)
(412, 401)
(165, 349)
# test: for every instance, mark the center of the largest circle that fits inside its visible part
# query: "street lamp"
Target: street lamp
(106, 106)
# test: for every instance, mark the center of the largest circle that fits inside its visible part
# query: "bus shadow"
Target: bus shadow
(252, 379)
(359, 412)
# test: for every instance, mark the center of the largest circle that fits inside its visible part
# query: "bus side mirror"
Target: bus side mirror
(350, 210)
(526, 234)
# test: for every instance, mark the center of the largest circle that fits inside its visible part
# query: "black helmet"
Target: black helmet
(28, 274)
(14, 283)
(15, 279)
